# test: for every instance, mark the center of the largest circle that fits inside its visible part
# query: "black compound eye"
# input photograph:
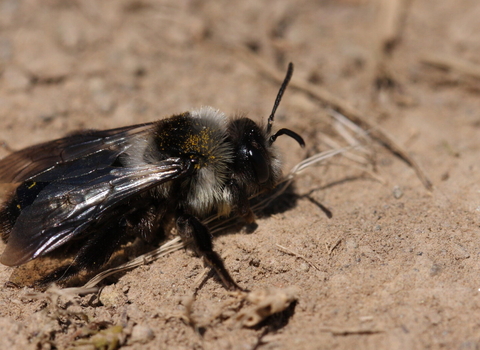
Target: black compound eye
(253, 161)
(260, 164)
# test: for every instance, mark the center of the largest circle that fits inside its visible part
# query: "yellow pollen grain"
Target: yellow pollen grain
(198, 142)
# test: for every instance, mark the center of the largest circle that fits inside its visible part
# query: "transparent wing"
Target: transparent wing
(34, 160)
(64, 208)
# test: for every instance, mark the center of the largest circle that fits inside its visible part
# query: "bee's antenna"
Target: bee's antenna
(290, 133)
(279, 96)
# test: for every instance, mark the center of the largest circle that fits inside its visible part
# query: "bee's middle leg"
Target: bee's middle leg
(190, 228)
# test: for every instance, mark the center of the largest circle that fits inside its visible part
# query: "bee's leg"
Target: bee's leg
(94, 253)
(190, 228)
(240, 198)
(147, 223)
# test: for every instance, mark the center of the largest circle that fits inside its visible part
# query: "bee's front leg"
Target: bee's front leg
(190, 228)
(242, 204)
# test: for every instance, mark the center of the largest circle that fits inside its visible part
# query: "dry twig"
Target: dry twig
(389, 28)
(331, 249)
(453, 64)
(392, 17)
(291, 252)
(350, 331)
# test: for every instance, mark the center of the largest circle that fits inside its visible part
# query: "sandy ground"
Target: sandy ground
(395, 267)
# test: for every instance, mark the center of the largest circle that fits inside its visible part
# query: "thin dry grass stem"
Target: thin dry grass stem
(167, 248)
(202, 277)
(350, 331)
(370, 173)
(328, 99)
(331, 143)
(361, 135)
(330, 249)
(342, 131)
(392, 17)
(452, 64)
(316, 158)
(389, 29)
(291, 252)
(363, 155)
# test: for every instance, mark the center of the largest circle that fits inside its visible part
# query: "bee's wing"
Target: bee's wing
(66, 207)
(31, 161)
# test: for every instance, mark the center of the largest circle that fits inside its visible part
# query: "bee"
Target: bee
(96, 187)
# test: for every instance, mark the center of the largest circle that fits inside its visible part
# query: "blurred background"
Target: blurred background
(397, 262)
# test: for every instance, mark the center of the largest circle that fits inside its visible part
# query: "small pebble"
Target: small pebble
(304, 267)
(397, 192)
(141, 334)
(255, 262)
(111, 297)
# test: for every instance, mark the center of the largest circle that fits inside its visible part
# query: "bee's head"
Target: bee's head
(256, 163)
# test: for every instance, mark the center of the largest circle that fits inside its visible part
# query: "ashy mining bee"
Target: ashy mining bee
(96, 187)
